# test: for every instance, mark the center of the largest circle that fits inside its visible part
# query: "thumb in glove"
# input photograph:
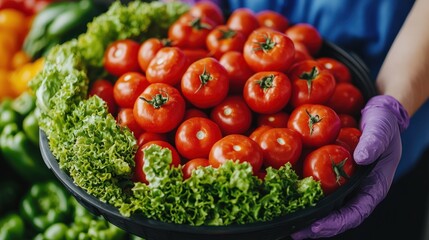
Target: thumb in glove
(383, 119)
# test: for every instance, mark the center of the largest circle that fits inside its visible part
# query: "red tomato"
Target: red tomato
(148, 50)
(121, 57)
(236, 147)
(238, 70)
(268, 50)
(318, 124)
(190, 32)
(223, 39)
(306, 34)
(150, 136)
(256, 134)
(139, 159)
(332, 165)
(267, 92)
(340, 71)
(280, 145)
(349, 138)
(128, 88)
(196, 136)
(273, 20)
(310, 83)
(167, 66)
(244, 20)
(160, 108)
(232, 115)
(193, 164)
(347, 120)
(126, 118)
(205, 83)
(104, 89)
(194, 112)
(208, 8)
(346, 99)
(301, 52)
(194, 55)
(277, 120)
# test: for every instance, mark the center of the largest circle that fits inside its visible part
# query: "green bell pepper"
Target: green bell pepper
(7, 114)
(23, 155)
(11, 227)
(24, 103)
(30, 126)
(57, 231)
(45, 204)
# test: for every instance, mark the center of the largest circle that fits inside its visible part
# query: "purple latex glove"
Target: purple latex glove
(383, 119)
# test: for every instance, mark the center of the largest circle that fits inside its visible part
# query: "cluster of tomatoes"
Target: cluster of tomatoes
(247, 88)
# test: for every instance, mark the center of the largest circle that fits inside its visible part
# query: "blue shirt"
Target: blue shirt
(366, 28)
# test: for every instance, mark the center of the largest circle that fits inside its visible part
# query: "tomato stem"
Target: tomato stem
(205, 77)
(339, 170)
(309, 77)
(226, 34)
(313, 119)
(197, 24)
(157, 101)
(265, 46)
(266, 82)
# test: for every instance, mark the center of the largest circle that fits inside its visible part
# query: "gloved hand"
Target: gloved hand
(383, 119)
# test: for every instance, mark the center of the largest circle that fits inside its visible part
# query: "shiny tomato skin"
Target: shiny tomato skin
(349, 138)
(319, 165)
(104, 89)
(267, 92)
(238, 70)
(223, 39)
(244, 20)
(139, 159)
(148, 50)
(236, 147)
(273, 20)
(194, 112)
(167, 66)
(128, 87)
(193, 164)
(150, 136)
(232, 115)
(280, 146)
(347, 99)
(268, 50)
(194, 55)
(126, 118)
(121, 57)
(257, 133)
(318, 124)
(347, 120)
(196, 136)
(301, 52)
(190, 32)
(159, 108)
(205, 83)
(311, 83)
(277, 120)
(307, 34)
(340, 71)
(210, 9)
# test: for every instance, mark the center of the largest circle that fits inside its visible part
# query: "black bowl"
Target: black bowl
(279, 228)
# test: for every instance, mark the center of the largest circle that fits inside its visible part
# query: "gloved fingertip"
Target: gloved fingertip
(361, 156)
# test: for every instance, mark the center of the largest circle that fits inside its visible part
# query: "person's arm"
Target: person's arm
(404, 74)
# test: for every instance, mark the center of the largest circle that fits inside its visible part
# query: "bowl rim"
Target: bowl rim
(295, 220)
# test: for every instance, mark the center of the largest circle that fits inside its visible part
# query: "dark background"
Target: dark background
(403, 214)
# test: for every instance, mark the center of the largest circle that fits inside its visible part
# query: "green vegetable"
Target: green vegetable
(11, 227)
(57, 23)
(30, 126)
(23, 155)
(222, 196)
(7, 114)
(45, 204)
